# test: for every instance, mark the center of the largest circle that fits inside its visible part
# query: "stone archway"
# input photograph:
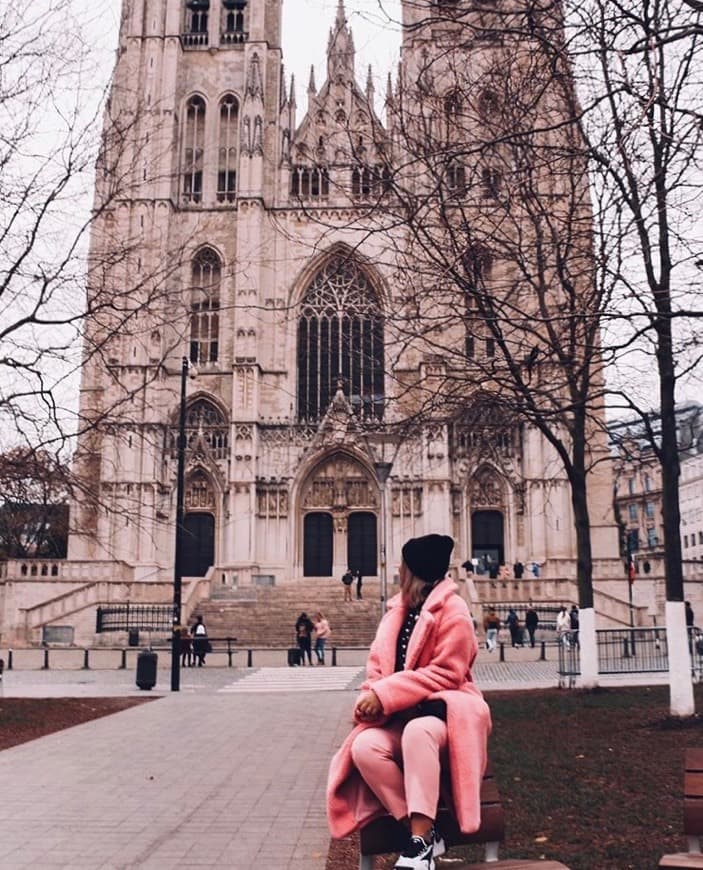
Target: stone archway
(487, 512)
(339, 487)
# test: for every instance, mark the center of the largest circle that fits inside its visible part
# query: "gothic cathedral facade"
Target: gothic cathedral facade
(238, 227)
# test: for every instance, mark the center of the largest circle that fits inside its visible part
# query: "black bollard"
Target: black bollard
(625, 649)
(123, 662)
(45, 666)
(86, 665)
(334, 656)
(502, 652)
(250, 660)
(229, 652)
(543, 652)
(9, 660)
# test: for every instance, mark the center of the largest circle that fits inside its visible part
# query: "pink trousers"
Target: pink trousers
(401, 764)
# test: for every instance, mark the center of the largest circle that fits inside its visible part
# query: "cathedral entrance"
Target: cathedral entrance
(362, 545)
(340, 502)
(198, 544)
(487, 538)
(317, 545)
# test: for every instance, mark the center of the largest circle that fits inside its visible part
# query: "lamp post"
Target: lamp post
(178, 559)
(383, 470)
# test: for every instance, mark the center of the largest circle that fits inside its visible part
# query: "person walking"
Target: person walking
(518, 570)
(574, 624)
(200, 641)
(347, 580)
(359, 582)
(531, 623)
(563, 627)
(186, 647)
(303, 633)
(513, 623)
(491, 625)
(322, 632)
(418, 708)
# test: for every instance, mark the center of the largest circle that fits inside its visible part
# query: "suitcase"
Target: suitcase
(146, 669)
(293, 656)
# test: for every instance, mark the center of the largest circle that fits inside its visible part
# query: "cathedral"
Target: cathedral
(267, 309)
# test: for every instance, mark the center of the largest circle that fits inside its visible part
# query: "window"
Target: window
(228, 151)
(647, 483)
(193, 143)
(455, 178)
(309, 182)
(204, 418)
(700, 537)
(196, 23)
(452, 105)
(631, 486)
(370, 181)
(632, 512)
(492, 181)
(205, 307)
(233, 24)
(340, 342)
(685, 541)
(633, 540)
(649, 510)
(652, 538)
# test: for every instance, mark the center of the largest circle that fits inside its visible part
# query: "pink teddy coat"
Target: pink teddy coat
(440, 653)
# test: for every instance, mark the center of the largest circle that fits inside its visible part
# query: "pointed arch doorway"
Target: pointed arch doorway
(339, 506)
(198, 544)
(487, 529)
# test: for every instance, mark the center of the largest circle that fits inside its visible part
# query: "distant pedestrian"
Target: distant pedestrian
(322, 632)
(347, 580)
(513, 623)
(535, 569)
(574, 624)
(359, 582)
(531, 623)
(200, 641)
(491, 625)
(690, 615)
(186, 647)
(518, 570)
(303, 633)
(563, 627)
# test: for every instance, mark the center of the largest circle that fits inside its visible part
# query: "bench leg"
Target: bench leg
(491, 852)
(365, 862)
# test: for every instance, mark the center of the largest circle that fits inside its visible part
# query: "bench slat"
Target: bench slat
(678, 861)
(516, 864)
(694, 759)
(693, 817)
(693, 785)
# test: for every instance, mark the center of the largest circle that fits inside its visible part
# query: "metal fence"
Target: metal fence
(126, 617)
(627, 651)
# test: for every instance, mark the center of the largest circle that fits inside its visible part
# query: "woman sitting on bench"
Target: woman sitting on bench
(418, 709)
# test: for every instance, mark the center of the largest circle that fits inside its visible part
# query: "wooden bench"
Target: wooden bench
(388, 835)
(692, 814)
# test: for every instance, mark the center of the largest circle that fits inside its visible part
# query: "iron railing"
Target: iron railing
(627, 651)
(126, 617)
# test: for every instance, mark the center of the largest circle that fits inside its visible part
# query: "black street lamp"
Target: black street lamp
(178, 560)
(383, 471)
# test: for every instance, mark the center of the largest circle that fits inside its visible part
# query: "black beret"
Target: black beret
(428, 557)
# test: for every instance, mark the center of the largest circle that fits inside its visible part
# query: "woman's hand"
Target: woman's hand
(368, 707)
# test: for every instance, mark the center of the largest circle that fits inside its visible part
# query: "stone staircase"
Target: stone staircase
(264, 616)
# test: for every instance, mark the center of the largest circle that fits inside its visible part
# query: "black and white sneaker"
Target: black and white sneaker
(418, 855)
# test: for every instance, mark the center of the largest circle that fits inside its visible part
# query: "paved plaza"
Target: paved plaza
(228, 773)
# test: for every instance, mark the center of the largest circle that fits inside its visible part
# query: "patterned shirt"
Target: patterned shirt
(406, 629)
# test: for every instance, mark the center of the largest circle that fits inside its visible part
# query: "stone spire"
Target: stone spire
(312, 89)
(340, 49)
(370, 89)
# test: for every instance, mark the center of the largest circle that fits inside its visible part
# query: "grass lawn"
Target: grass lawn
(593, 779)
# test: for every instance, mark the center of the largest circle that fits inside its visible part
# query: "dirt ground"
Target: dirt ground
(23, 719)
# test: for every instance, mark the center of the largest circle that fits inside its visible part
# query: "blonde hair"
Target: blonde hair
(413, 589)
(319, 615)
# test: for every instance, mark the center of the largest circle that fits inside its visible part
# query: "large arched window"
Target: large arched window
(193, 147)
(227, 153)
(340, 342)
(205, 307)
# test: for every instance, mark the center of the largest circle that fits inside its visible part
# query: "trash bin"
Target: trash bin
(146, 669)
(133, 637)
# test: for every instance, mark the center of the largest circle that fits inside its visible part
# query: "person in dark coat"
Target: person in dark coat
(200, 641)
(513, 623)
(303, 632)
(518, 570)
(531, 623)
(359, 581)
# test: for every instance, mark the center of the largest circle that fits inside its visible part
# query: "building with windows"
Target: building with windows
(638, 490)
(247, 221)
